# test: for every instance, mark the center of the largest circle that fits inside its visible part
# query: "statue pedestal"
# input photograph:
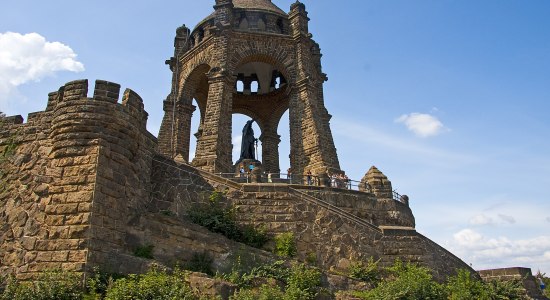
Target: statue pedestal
(253, 174)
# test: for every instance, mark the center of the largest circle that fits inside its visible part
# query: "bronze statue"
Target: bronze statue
(248, 142)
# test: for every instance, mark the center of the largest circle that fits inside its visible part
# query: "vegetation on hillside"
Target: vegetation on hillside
(219, 218)
(275, 280)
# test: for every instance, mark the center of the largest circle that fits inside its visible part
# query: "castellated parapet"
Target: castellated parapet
(81, 157)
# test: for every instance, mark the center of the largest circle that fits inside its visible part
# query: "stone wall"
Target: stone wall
(80, 172)
(323, 220)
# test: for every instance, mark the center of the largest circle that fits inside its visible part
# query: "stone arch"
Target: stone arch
(272, 54)
(195, 86)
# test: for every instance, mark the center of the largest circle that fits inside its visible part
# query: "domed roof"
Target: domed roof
(265, 5)
(255, 5)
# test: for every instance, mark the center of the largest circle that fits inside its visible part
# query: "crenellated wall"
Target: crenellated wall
(81, 170)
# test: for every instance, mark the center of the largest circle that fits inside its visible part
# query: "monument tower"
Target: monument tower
(252, 58)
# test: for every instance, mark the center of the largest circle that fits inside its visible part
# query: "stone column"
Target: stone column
(214, 145)
(312, 145)
(183, 132)
(270, 150)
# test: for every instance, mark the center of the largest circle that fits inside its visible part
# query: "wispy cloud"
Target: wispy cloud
(507, 219)
(367, 135)
(422, 125)
(29, 57)
(481, 219)
(548, 219)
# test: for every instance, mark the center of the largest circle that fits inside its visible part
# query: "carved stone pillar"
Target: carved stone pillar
(270, 150)
(214, 145)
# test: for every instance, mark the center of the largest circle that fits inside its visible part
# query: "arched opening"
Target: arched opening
(258, 78)
(194, 92)
(284, 147)
(195, 126)
(239, 120)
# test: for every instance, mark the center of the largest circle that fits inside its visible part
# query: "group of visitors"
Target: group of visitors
(339, 180)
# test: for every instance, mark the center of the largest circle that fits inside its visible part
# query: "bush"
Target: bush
(465, 286)
(368, 272)
(220, 219)
(303, 283)
(51, 285)
(155, 284)
(406, 281)
(285, 246)
(98, 283)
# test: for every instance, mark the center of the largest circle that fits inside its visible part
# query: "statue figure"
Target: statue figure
(248, 142)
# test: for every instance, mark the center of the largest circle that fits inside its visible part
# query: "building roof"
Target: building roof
(265, 5)
(256, 5)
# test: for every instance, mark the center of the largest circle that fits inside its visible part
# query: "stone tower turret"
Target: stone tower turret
(249, 43)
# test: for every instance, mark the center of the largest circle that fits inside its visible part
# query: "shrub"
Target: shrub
(368, 272)
(154, 284)
(465, 286)
(144, 251)
(98, 283)
(510, 290)
(201, 262)
(220, 219)
(285, 245)
(303, 283)
(406, 281)
(49, 285)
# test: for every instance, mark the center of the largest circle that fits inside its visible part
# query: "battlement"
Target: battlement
(104, 92)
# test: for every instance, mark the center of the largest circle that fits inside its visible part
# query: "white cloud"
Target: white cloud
(423, 125)
(548, 219)
(29, 57)
(485, 252)
(481, 220)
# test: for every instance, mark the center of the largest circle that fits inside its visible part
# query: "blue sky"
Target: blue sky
(448, 98)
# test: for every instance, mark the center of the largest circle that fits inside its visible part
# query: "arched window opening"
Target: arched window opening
(261, 25)
(244, 24)
(240, 86)
(254, 87)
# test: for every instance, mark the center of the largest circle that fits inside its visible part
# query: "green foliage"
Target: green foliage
(99, 282)
(368, 272)
(201, 262)
(508, 290)
(144, 251)
(301, 282)
(265, 292)
(221, 219)
(406, 281)
(285, 245)
(155, 284)
(311, 258)
(51, 285)
(464, 286)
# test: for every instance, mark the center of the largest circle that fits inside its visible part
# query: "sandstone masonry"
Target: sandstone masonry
(88, 184)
